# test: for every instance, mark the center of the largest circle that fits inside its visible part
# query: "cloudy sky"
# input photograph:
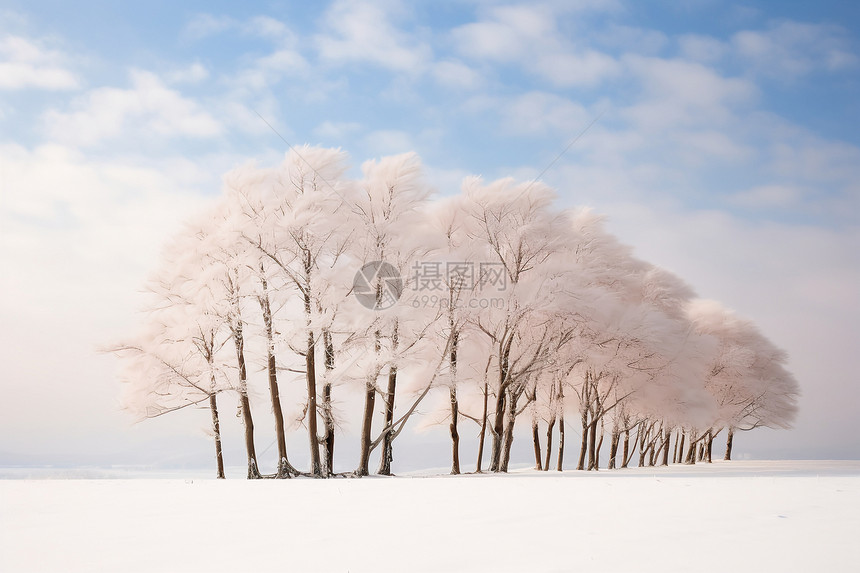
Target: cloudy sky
(726, 148)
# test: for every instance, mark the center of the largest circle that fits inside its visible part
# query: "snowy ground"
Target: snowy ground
(735, 516)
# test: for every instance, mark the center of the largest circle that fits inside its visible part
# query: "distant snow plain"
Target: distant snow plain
(726, 516)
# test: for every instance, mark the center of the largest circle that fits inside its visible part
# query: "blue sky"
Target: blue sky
(726, 149)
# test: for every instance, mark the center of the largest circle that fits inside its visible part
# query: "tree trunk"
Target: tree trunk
(667, 433)
(729, 440)
(613, 448)
(216, 430)
(387, 447)
(709, 446)
(387, 450)
(366, 426)
(284, 467)
(310, 365)
(549, 429)
(509, 432)
(311, 373)
(498, 431)
(455, 434)
(625, 458)
(327, 412)
(455, 406)
(691, 453)
(559, 464)
(499, 417)
(681, 447)
(642, 439)
(536, 440)
(583, 442)
(597, 449)
(483, 429)
(245, 404)
(592, 435)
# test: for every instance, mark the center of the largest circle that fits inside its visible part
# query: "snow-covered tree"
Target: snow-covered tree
(747, 378)
(494, 296)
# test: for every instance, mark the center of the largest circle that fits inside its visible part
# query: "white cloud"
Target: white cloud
(528, 37)
(335, 132)
(705, 146)
(538, 113)
(768, 197)
(791, 49)
(678, 92)
(704, 49)
(282, 62)
(387, 142)
(148, 107)
(204, 25)
(629, 38)
(587, 68)
(267, 71)
(267, 27)
(192, 74)
(456, 74)
(809, 158)
(365, 32)
(507, 35)
(25, 64)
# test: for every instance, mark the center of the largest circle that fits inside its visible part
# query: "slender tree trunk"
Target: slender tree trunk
(369, 402)
(313, 436)
(642, 440)
(498, 432)
(549, 429)
(559, 464)
(691, 453)
(245, 404)
(667, 433)
(709, 446)
(597, 449)
(366, 426)
(455, 434)
(681, 447)
(625, 457)
(536, 440)
(311, 374)
(509, 431)
(328, 414)
(216, 430)
(455, 406)
(387, 451)
(675, 451)
(592, 435)
(387, 447)
(613, 447)
(248, 422)
(583, 442)
(284, 468)
(499, 416)
(729, 440)
(483, 428)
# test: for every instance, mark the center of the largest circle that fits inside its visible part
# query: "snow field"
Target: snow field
(738, 516)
